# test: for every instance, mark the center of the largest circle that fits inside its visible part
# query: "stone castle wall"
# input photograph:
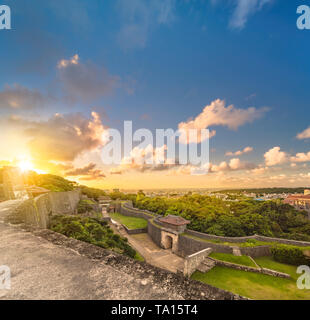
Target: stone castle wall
(127, 210)
(37, 211)
(193, 261)
(154, 232)
(245, 239)
(251, 269)
(255, 252)
(219, 238)
(188, 246)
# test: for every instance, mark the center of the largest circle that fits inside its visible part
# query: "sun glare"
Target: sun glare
(25, 165)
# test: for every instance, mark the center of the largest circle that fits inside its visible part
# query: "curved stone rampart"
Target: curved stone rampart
(37, 211)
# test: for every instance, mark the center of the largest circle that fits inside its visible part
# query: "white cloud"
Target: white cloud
(278, 177)
(72, 61)
(216, 114)
(275, 156)
(304, 135)
(243, 10)
(301, 157)
(259, 170)
(239, 152)
(233, 165)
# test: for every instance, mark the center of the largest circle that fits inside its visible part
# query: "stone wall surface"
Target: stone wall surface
(37, 211)
(193, 261)
(245, 239)
(251, 269)
(135, 231)
(64, 202)
(126, 210)
(188, 246)
(260, 251)
(154, 232)
(219, 238)
(283, 241)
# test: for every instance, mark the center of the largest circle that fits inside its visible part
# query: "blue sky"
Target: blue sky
(159, 63)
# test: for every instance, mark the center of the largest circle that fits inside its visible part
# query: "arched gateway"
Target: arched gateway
(172, 227)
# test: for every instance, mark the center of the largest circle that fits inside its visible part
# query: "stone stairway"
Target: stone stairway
(236, 251)
(206, 265)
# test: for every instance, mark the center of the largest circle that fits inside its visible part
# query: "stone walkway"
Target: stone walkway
(152, 254)
(156, 256)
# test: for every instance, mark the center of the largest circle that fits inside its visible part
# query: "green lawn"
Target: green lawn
(252, 285)
(269, 263)
(233, 244)
(130, 222)
(243, 260)
(251, 243)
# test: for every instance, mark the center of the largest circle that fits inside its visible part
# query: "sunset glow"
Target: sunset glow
(25, 165)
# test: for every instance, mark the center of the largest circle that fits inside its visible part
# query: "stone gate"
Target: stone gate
(172, 227)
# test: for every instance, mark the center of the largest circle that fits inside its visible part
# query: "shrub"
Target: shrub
(251, 241)
(289, 254)
(93, 231)
(84, 206)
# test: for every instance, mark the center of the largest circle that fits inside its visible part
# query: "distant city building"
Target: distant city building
(299, 201)
(306, 192)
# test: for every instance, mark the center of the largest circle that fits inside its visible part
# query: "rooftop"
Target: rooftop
(174, 220)
(298, 197)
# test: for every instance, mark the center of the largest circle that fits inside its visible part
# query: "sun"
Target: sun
(25, 165)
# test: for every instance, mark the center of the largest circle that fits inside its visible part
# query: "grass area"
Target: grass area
(130, 222)
(252, 285)
(251, 243)
(269, 263)
(243, 260)
(139, 257)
